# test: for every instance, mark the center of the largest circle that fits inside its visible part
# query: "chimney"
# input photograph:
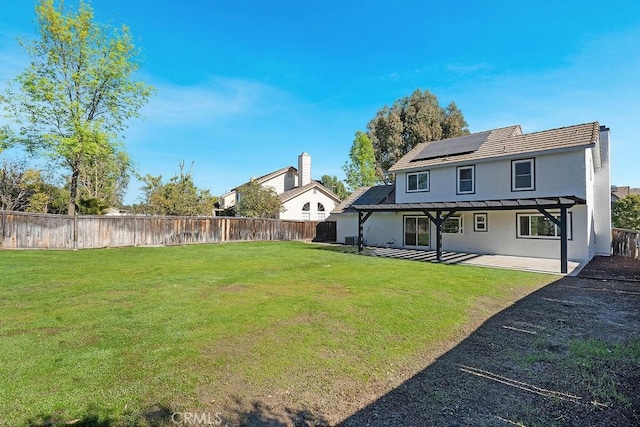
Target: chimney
(304, 169)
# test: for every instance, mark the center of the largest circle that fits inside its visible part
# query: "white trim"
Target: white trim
(532, 165)
(473, 179)
(417, 174)
(556, 230)
(484, 223)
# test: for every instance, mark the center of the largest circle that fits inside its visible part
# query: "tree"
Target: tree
(78, 92)
(412, 120)
(14, 194)
(361, 171)
(334, 184)
(103, 180)
(626, 212)
(256, 201)
(26, 189)
(178, 196)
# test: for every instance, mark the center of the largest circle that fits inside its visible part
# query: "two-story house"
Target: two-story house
(302, 197)
(543, 194)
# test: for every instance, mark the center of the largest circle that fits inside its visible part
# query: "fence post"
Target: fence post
(75, 232)
(4, 225)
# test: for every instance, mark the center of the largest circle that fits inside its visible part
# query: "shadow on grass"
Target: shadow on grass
(333, 247)
(260, 415)
(154, 416)
(256, 414)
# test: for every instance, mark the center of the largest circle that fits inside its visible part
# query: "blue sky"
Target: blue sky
(243, 87)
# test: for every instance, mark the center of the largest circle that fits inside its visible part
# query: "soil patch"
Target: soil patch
(612, 267)
(568, 354)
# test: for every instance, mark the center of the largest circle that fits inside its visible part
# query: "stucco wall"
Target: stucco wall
(602, 198)
(558, 174)
(386, 229)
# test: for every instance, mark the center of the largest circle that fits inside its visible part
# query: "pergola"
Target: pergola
(439, 212)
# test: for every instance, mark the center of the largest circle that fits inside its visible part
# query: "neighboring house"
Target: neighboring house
(543, 194)
(302, 197)
(618, 193)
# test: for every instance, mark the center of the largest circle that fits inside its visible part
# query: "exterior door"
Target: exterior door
(416, 231)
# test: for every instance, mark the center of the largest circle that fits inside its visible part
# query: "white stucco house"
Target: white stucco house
(542, 194)
(302, 197)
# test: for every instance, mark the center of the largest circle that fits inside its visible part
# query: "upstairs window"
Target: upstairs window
(523, 175)
(466, 180)
(321, 214)
(418, 181)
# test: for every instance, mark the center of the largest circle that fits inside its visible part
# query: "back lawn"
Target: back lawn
(276, 331)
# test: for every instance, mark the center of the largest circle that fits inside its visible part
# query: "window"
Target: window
(320, 212)
(466, 180)
(537, 226)
(480, 222)
(452, 225)
(305, 211)
(416, 231)
(523, 175)
(418, 181)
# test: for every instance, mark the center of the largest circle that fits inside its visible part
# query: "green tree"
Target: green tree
(334, 184)
(256, 201)
(103, 180)
(26, 189)
(75, 97)
(411, 120)
(361, 170)
(178, 196)
(626, 212)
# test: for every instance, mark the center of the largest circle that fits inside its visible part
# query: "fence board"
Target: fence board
(625, 242)
(22, 230)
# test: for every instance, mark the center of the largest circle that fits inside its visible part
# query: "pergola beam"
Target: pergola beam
(543, 205)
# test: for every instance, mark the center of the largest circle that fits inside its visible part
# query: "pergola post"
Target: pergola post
(564, 258)
(362, 217)
(564, 245)
(438, 220)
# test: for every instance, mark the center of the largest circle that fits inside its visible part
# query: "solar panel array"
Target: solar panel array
(374, 195)
(452, 146)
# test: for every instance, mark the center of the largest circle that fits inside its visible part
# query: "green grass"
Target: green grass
(104, 334)
(594, 366)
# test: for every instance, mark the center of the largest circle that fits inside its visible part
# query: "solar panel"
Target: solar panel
(452, 146)
(374, 195)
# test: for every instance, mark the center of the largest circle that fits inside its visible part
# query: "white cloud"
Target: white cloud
(214, 99)
(468, 68)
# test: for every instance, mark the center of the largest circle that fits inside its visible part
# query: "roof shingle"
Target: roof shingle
(510, 141)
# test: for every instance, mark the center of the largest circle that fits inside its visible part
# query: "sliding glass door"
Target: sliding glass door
(416, 231)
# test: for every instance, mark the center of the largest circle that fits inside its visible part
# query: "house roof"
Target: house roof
(294, 192)
(622, 192)
(507, 141)
(267, 177)
(367, 196)
(264, 178)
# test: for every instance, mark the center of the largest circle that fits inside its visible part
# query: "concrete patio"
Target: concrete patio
(538, 265)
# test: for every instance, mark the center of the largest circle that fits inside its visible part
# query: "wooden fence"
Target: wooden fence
(625, 242)
(22, 230)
